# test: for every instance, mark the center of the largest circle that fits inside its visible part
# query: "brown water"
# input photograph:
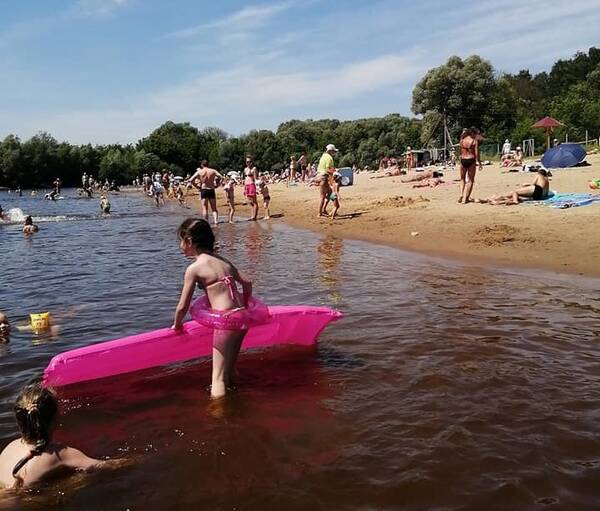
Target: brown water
(447, 386)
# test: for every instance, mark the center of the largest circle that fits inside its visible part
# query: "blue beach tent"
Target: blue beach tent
(563, 155)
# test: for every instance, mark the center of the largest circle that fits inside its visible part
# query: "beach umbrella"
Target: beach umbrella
(563, 155)
(548, 124)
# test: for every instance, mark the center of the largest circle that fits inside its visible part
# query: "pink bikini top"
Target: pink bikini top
(229, 281)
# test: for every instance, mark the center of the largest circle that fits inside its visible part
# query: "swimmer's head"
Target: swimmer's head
(35, 411)
(4, 328)
(198, 233)
(28, 220)
(542, 172)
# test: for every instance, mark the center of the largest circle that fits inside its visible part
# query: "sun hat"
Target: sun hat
(331, 147)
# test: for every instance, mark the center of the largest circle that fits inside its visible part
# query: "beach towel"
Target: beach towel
(569, 200)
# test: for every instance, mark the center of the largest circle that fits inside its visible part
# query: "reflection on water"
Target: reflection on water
(330, 252)
(446, 385)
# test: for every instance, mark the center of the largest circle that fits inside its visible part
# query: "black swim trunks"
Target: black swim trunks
(207, 193)
(467, 162)
(538, 193)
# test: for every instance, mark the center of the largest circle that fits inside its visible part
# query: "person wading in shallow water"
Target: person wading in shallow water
(325, 170)
(208, 180)
(250, 178)
(469, 159)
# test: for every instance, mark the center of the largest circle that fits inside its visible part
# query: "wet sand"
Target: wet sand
(390, 212)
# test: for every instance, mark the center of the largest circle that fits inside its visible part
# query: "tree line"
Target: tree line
(463, 92)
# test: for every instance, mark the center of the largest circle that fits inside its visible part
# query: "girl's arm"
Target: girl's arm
(246, 286)
(189, 283)
(477, 153)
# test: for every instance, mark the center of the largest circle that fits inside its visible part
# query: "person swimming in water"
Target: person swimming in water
(218, 277)
(34, 457)
(104, 205)
(4, 329)
(30, 227)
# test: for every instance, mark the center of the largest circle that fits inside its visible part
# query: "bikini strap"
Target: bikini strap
(229, 281)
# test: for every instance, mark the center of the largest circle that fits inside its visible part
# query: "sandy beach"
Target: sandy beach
(430, 220)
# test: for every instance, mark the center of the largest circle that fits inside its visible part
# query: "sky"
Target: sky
(111, 71)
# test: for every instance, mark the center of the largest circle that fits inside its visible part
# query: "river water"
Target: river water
(446, 386)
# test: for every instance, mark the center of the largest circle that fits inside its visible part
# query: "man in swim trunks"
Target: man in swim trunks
(325, 170)
(206, 180)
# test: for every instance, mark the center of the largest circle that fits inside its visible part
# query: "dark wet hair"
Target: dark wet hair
(543, 172)
(29, 220)
(199, 231)
(473, 131)
(35, 411)
(204, 163)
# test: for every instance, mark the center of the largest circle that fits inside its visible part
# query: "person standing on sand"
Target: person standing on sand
(469, 160)
(250, 178)
(324, 171)
(303, 166)
(409, 159)
(292, 172)
(209, 180)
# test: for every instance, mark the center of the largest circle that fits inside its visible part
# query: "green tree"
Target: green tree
(462, 89)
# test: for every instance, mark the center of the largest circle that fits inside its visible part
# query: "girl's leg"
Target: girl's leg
(267, 212)
(231, 212)
(463, 173)
(469, 185)
(215, 212)
(226, 347)
(336, 207)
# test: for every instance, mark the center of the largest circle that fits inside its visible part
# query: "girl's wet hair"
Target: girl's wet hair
(35, 411)
(199, 231)
(29, 220)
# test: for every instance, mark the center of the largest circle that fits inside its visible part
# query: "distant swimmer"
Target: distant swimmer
(1, 213)
(30, 227)
(104, 205)
(34, 457)
(4, 329)
(51, 196)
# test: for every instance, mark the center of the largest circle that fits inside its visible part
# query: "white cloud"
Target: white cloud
(244, 20)
(98, 8)
(238, 99)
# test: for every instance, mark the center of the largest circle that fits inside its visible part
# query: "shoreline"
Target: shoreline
(388, 212)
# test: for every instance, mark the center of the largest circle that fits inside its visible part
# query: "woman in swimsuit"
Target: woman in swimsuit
(469, 158)
(250, 177)
(33, 457)
(218, 278)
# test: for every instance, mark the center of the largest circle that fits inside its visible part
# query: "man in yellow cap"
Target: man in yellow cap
(324, 171)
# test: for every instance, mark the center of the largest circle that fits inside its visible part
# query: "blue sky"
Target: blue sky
(106, 71)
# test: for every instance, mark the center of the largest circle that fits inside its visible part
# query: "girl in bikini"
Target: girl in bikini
(469, 158)
(226, 310)
(34, 457)
(264, 191)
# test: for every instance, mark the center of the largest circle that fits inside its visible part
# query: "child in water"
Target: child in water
(30, 227)
(218, 277)
(33, 457)
(263, 189)
(104, 205)
(229, 190)
(4, 329)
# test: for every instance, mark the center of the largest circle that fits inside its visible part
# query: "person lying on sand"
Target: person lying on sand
(412, 177)
(390, 172)
(538, 190)
(429, 183)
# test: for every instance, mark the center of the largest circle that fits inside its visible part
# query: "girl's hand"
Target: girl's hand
(175, 326)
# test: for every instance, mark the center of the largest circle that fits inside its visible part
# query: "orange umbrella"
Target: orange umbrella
(548, 124)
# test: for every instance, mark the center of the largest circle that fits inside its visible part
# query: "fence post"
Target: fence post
(586, 138)
(567, 138)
